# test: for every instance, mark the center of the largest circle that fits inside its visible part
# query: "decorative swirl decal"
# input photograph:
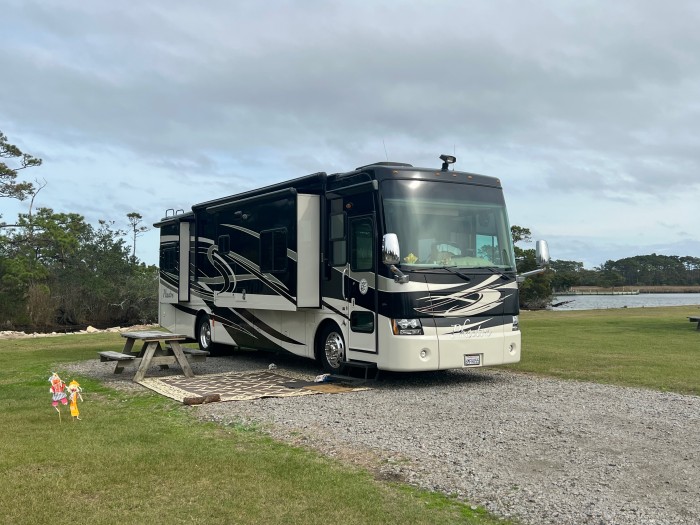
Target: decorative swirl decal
(218, 262)
(469, 301)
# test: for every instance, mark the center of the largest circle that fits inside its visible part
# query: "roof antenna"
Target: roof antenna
(385, 153)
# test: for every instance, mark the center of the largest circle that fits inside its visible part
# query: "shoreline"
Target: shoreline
(18, 334)
(629, 290)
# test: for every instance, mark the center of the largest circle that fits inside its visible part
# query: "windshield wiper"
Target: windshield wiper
(493, 269)
(457, 272)
(448, 268)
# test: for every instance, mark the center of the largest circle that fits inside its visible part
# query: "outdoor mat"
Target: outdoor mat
(240, 386)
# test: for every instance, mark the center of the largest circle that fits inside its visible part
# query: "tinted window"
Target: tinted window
(362, 244)
(273, 251)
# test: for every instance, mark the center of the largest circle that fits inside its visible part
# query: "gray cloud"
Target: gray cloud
(572, 99)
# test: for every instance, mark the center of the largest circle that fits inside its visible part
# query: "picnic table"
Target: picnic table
(158, 348)
(695, 319)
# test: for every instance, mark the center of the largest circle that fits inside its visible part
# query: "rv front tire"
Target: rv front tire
(331, 348)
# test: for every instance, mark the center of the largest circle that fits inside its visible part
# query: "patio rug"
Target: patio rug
(241, 386)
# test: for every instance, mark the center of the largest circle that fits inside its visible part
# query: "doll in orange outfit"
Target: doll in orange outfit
(58, 392)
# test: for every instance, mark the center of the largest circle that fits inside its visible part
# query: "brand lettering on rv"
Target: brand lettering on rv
(167, 294)
(469, 331)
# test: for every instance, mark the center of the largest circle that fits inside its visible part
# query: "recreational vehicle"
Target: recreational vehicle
(387, 266)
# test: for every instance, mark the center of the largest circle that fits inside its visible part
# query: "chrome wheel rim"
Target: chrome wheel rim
(335, 349)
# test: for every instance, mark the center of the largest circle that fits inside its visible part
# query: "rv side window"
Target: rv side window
(273, 251)
(337, 226)
(224, 244)
(168, 259)
(338, 253)
(337, 237)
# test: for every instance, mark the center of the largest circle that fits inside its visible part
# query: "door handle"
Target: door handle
(345, 271)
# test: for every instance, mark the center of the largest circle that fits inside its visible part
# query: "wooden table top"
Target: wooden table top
(153, 334)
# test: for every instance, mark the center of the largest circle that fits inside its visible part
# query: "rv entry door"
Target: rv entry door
(361, 286)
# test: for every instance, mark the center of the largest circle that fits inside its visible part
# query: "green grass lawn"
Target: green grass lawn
(645, 347)
(140, 458)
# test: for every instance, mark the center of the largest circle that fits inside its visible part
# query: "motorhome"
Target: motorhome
(388, 266)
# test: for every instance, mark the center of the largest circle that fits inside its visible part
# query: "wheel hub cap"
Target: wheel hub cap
(335, 350)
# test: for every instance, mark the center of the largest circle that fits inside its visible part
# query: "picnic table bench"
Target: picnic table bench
(121, 359)
(159, 348)
(695, 319)
(195, 354)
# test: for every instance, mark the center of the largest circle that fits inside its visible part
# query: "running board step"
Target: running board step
(361, 366)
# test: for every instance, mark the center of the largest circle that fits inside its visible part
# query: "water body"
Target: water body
(598, 302)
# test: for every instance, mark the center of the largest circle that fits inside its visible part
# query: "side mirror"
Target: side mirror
(542, 253)
(391, 253)
(542, 256)
(391, 256)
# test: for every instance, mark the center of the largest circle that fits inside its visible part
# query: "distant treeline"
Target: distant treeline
(58, 272)
(637, 271)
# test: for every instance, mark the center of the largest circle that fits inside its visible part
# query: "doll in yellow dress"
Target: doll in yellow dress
(74, 391)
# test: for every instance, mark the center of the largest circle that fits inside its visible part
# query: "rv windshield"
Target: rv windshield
(444, 224)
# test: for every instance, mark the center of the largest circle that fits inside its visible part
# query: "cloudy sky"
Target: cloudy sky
(588, 111)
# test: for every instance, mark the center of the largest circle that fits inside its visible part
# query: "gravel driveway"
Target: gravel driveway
(542, 450)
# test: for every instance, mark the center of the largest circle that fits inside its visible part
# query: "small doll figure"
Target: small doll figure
(74, 391)
(410, 258)
(57, 390)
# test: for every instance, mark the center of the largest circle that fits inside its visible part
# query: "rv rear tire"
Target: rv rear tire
(204, 333)
(331, 348)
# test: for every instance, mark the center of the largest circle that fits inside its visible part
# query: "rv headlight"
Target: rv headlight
(516, 323)
(406, 327)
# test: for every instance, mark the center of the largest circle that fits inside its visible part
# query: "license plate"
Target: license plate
(472, 360)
